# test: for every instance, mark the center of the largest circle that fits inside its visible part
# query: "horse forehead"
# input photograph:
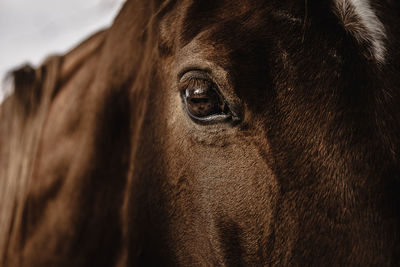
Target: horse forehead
(189, 19)
(213, 35)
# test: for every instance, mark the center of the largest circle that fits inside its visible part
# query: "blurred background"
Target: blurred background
(32, 29)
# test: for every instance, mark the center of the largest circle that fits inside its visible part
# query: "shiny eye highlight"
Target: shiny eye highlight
(201, 99)
(203, 102)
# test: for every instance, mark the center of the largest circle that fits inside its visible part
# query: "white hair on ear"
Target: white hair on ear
(360, 20)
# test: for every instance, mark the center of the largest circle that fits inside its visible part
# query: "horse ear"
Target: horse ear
(32, 85)
(360, 20)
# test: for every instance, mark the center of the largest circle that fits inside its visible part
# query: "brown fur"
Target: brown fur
(102, 166)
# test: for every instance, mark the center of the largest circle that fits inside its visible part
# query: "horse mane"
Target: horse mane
(22, 116)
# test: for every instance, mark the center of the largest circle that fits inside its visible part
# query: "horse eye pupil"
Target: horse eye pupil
(202, 102)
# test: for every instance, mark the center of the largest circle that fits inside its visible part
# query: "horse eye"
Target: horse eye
(202, 101)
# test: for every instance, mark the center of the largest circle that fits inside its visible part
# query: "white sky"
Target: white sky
(32, 29)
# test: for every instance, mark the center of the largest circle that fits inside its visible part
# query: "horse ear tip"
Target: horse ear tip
(20, 82)
(23, 71)
(21, 76)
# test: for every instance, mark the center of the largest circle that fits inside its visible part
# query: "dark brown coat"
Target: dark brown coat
(101, 165)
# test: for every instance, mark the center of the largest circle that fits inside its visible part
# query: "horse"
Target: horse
(209, 133)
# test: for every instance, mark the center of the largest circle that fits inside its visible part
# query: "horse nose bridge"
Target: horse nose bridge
(244, 208)
(217, 193)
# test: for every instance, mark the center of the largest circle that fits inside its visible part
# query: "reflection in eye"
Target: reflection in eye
(201, 99)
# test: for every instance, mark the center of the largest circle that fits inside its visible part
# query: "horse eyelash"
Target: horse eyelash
(195, 82)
